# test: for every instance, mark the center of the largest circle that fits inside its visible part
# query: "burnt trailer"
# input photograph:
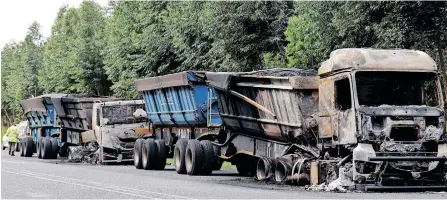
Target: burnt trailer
(372, 119)
(179, 107)
(56, 122)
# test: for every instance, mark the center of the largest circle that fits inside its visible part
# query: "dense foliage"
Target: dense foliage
(102, 51)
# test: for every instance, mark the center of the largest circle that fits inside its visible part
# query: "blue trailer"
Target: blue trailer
(56, 122)
(181, 108)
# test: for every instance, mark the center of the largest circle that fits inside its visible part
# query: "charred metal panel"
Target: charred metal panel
(377, 59)
(266, 106)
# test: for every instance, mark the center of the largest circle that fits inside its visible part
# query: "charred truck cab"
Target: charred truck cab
(385, 108)
(116, 125)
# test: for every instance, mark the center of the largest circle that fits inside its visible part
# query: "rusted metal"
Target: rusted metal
(253, 103)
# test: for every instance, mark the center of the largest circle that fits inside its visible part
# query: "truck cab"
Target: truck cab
(386, 107)
(115, 128)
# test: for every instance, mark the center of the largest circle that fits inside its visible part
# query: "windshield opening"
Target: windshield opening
(122, 114)
(396, 88)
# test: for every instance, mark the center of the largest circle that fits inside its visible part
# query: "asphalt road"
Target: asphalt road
(24, 178)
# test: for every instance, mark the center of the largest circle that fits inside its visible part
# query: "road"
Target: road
(24, 178)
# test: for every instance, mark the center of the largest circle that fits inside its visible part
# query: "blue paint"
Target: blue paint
(181, 106)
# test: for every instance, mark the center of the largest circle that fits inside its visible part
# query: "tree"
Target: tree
(73, 62)
(20, 63)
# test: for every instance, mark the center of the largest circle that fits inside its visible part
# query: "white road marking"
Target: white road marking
(78, 184)
(97, 183)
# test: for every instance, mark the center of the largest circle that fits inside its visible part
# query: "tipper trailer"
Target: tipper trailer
(372, 119)
(179, 107)
(56, 122)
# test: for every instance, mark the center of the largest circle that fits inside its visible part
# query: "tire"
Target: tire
(4, 147)
(218, 164)
(39, 148)
(209, 157)
(161, 154)
(149, 154)
(63, 152)
(22, 148)
(18, 146)
(54, 148)
(179, 156)
(194, 157)
(242, 169)
(137, 150)
(29, 147)
(46, 148)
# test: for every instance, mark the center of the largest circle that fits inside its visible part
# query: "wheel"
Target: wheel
(161, 154)
(29, 147)
(194, 157)
(18, 146)
(70, 155)
(218, 164)
(39, 148)
(137, 153)
(209, 157)
(46, 148)
(149, 154)
(243, 169)
(63, 152)
(179, 156)
(54, 148)
(22, 148)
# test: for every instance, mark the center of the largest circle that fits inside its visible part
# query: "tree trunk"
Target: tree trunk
(442, 66)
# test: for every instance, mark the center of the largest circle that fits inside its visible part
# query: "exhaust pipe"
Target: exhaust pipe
(264, 169)
(283, 170)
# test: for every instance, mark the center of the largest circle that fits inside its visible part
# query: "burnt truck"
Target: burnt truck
(372, 120)
(179, 107)
(56, 122)
(115, 127)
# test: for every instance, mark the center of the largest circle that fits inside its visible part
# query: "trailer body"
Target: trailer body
(180, 104)
(179, 107)
(59, 117)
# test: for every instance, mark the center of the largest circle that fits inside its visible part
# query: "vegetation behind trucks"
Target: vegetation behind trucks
(116, 125)
(372, 119)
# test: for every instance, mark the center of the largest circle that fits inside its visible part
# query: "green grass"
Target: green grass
(225, 165)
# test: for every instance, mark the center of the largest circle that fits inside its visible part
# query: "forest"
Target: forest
(102, 50)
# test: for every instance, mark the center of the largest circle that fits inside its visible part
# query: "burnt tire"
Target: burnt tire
(28, 147)
(209, 158)
(39, 147)
(54, 148)
(137, 150)
(46, 148)
(161, 154)
(63, 152)
(179, 156)
(149, 154)
(194, 157)
(22, 148)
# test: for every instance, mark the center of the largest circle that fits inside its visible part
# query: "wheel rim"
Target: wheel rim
(188, 160)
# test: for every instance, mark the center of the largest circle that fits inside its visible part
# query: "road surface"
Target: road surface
(23, 178)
